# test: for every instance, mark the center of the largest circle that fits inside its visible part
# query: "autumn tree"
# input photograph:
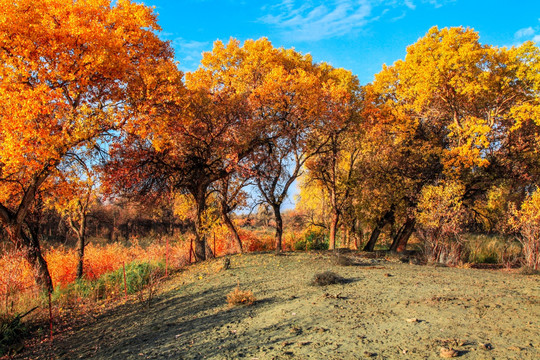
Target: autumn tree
(312, 201)
(289, 100)
(198, 136)
(333, 165)
(72, 195)
(232, 196)
(67, 69)
(397, 157)
(456, 100)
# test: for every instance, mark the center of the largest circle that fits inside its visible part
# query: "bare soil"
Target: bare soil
(384, 309)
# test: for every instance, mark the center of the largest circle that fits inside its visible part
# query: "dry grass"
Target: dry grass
(342, 260)
(240, 297)
(525, 270)
(327, 278)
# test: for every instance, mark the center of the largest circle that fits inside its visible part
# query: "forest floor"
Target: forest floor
(386, 309)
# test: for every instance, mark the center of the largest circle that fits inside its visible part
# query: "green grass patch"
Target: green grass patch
(138, 276)
(313, 240)
(491, 249)
(11, 331)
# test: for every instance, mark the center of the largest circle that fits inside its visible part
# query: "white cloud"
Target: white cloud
(526, 32)
(318, 19)
(410, 4)
(188, 52)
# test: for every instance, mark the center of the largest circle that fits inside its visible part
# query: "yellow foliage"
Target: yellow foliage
(441, 208)
(526, 220)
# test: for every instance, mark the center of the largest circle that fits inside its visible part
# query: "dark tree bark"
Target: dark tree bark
(385, 219)
(14, 223)
(81, 243)
(202, 249)
(402, 237)
(333, 228)
(230, 192)
(279, 227)
(200, 238)
(228, 222)
(404, 234)
(32, 254)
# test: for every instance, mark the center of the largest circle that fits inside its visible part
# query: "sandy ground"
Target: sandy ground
(385, 310)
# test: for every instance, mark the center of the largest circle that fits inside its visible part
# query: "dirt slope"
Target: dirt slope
(385, 310)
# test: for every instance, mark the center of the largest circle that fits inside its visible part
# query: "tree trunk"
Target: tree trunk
(80, 255)
(386, 218)
(228, 222)
(13, 225)
(80, 231)
(400, 240)
(333, 230)
(43, 277)
(374, 237)
(200, 238)
(32, 254)
(346, 235)
(279, 227)
(209, 253)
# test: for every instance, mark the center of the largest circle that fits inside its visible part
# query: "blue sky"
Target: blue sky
(357, 35)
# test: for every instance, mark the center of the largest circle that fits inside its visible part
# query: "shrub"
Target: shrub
(526, 220)
(441, 220)
(256, 241)
(313, 240)
(327, 278)
(138, 276)
(482, 249)
(240, 297)
(11, 332)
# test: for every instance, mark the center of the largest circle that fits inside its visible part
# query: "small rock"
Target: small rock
(486, 346)
(226, 264)
(413, 320)
(448, 353)
(369, 354)
(296, 330)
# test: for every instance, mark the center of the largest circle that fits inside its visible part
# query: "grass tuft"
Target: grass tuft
(240, 297)
(11, 332)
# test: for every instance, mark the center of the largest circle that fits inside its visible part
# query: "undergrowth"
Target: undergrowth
(313, 240)
(138, 276)
(11, 331)
(486, 249)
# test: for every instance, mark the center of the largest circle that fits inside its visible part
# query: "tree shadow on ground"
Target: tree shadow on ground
(174, 323)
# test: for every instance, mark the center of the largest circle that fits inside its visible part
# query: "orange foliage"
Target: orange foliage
(18, 275)
(255, 242)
